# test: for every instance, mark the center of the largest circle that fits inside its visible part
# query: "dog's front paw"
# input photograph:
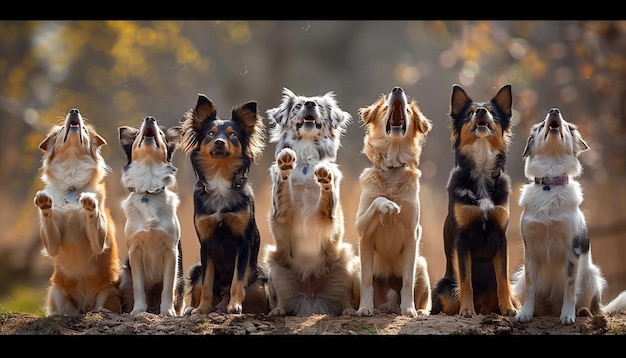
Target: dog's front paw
(409, 312)
(43, 201)
(324, 177)
(234, 308)
(386, 206)
(348, 312)
(525, 315)
(89, 202)
(168, 312)
(365, 312)
(567, 319)
(286, 161)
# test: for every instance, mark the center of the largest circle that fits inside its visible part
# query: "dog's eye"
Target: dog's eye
(211, 133)
(233, 134)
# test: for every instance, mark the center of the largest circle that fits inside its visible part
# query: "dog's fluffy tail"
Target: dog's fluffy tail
(618, 302)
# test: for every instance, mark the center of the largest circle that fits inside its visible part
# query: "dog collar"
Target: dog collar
(144, 199)
(547, 181)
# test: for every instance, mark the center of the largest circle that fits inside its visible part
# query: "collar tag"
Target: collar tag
(71, 196)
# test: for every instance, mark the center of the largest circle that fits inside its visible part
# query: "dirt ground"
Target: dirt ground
(612, 323)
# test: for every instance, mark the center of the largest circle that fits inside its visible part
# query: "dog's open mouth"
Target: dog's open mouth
(149, 132)
(396, 123)
(309, 122)
(553, 125)
(73, 124)
(148, 136)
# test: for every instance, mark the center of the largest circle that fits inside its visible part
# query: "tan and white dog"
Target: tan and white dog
(558, 276)
(388, 217)
(310, 269)
(77, 230)
(152, 279)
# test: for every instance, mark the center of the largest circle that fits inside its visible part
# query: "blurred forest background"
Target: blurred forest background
(118, 72)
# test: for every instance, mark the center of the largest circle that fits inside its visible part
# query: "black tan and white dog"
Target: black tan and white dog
(558, 276)
(311, 270)
(228, 277)
(476, 279)
(388, 217)
(77, 230)
(152, 278)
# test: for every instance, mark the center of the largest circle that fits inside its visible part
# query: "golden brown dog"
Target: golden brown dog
(77, 230)
(388, 217)
(310, 269)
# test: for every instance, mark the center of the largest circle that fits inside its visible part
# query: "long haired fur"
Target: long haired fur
(77, 230)
(152, 278)
(310, 269)
(558, 276)
(389, 209)
(475, 240)
(228, 277)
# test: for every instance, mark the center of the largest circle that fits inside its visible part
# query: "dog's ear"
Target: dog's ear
(173, 135)
(370, 113)
(420, 121)
(204, 110)
(504, 100)
(579, 143)
(459, 100)
(280, 115)
(339, 119)
(529, 149)
(252, 125)
(98, 139)
(126, 137)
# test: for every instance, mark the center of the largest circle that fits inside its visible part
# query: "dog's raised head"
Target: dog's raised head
(222, 146)
(556, 138)
(395, 130)
(148, 149)
(472, 120)
(312, 126)
(73, 142)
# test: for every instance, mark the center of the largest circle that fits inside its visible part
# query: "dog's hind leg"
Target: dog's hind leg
(423, 302)
(49, 232)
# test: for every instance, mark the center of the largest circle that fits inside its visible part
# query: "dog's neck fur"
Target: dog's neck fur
(148, 178)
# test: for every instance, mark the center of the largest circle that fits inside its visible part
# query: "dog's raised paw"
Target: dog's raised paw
(286, 161)
(88, 201)
(386, 206)
(43, 201)
(324, 177)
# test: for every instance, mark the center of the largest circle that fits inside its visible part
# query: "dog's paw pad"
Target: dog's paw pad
(43, 201)
(324, 177)
(88, 202)
(286, 160)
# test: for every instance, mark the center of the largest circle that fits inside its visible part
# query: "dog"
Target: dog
(310, 269)
(558, 276)
(388, 215)
(228, 277)
(476, 278)
(76, 227)
(152, 278)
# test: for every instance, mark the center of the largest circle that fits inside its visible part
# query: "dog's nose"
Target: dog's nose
(397, 90)
(481, 110)
(554, 111)
(150, 119)
(74, 111)
(310, 104)
(220, 142)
